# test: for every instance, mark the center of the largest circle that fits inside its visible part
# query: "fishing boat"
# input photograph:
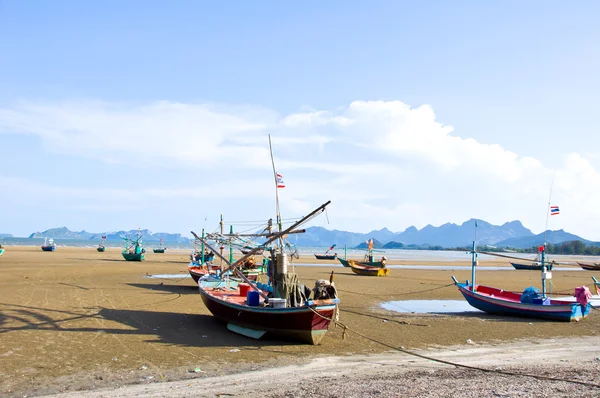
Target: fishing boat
(535, 266)
(1, 250)
(368, 259)
(133, 250)
(49, 245)
(327, 255)
(530, 303)
(247, 249)
(590, 267)
(101, 246)
(282, 308)
(366, 270)
(197, 272)
(160, 248)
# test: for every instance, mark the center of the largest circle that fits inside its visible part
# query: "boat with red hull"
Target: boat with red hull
(497, 301)
(308, 323)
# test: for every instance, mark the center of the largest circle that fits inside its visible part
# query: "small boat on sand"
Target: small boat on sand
(368, 271)
(133, 248)
(1, 250)
(327, 255)
(589, 266)
(49, 245)
(101, 247)
(160, 248)
(530, 303)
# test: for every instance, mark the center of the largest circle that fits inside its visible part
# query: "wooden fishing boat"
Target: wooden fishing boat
(133, 248)
(197, 272)
(1, 250)
(280, 309)
(160, 248)
(375, 264)
(327, 255)
(590, 267)
(307, 323)
(497, 301)
(535, 266)
(247, 249)
(530, 303)
(101, 247)
(368, 271)
(49, 245)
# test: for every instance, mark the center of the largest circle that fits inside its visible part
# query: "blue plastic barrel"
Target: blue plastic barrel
(253, 298)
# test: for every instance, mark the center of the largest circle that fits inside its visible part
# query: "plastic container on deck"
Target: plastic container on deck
(244, 288)
(277, 302)
(253, 298)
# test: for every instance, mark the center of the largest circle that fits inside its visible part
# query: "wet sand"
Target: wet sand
(77, 319)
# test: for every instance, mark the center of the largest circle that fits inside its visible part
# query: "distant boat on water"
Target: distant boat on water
(49, 245)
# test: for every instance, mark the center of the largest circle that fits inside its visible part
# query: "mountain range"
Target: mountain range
(511, 234)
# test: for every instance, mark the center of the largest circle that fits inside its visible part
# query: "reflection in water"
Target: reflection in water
(429, 306)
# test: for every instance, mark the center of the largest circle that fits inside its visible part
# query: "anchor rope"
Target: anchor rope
(405, 351)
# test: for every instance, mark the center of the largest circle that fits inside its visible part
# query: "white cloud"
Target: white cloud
(382, 163)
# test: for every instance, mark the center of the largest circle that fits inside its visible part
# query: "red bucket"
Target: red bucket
(244, 287)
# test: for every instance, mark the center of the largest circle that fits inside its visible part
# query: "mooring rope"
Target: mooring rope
(405, 351)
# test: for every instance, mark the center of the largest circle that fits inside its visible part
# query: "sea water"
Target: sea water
(429, 306)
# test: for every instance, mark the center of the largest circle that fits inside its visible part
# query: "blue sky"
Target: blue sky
(154, 114)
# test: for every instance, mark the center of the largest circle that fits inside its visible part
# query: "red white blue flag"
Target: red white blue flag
(280, 183)
(554, 210)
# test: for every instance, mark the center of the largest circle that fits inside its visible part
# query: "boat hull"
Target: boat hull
(530, 267)
(48, 248)
(133, 256)
(197, 272)
(1, 252)
(158, 250)
(500, 302)
(299, 324)
(590, 267)
(346, 263)
(326, 256)
(101, 249)
(369, 271)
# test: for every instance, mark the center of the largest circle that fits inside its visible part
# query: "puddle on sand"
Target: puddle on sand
(168, 276)
(429, 306)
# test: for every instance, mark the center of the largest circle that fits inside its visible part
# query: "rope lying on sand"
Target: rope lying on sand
(405, 351)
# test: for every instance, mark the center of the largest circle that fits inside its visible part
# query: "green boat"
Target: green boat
(101, 246)
(133, 248)
(160, 248)
(1, 250)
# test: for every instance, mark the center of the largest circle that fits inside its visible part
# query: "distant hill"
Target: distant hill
(148, 236)
(553, 237)
(6, 236)
(510, 234)
(446, 235)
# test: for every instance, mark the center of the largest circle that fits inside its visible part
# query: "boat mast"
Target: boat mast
(545, 273)
(277, 213)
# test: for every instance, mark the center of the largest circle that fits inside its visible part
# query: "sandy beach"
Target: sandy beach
(76, 320)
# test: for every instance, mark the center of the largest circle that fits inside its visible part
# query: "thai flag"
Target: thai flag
(280, 183)
(554, 210)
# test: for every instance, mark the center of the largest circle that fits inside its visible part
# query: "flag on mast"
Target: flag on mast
(554, 210)
(280, 183)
